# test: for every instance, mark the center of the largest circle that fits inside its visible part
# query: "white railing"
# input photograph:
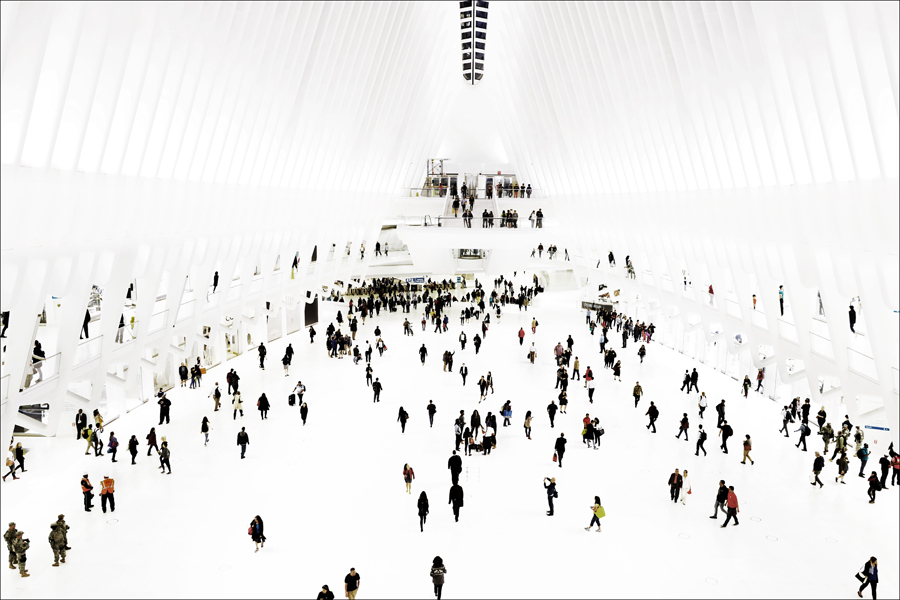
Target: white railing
(158, 321)
(88, 350)
(37, 373)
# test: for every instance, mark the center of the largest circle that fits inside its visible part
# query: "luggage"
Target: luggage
(292, 399)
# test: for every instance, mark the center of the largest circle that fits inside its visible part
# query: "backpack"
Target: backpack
(217, 394)
(860, 454)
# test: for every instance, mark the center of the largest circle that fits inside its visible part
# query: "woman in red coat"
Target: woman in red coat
(408, 476)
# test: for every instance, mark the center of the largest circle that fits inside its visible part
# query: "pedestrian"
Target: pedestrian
(869, 577)
(243, 440)
(257, 533)
(818, 465)
(550, 487)
(151, 441)
(521, 336)
(133, 448)
(805, 431)
(263, 406)
(528, 424)
(863, 455)
(748, 445)
(304, 412)
(216, 395)
(408, 476)
(80, 423)
(238, 406)
(653, 413)
(402, 416)
(107, 493)
(598, 512)
(843, 467)
(455, 466)
(351, 581)
(721, 499)
(683, 428)
(702, 403)
(86, 488)
(675, 484)
(9, 536)
(204, 429)
(422, 505)
(262, 356)
(786, 417)
(438, 571)
(20, 457)
(464, 372)
(726, 432)
(20, 547)
(852, 315)
(885, 464)
(164, 456)
(720, 412)
(164, 404)
(701, 439)
(686, 382)
(57, 543)
(733, 508)
(431, 408)
(325, 594)
(637, 392)
(456, 499)
(376, 388)
(560, 447)
(874, 486)
(423, 352)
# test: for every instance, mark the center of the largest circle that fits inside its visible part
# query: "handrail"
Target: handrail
(49, 364)
(87, 350)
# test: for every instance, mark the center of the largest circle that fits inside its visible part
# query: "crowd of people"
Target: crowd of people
(472, 433)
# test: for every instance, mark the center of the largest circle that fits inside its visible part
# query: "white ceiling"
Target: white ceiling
(577, 96)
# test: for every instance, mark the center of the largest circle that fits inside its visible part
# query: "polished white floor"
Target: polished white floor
(332, 494)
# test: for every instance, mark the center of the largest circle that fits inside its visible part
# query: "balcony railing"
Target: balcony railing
(158, 321)
(87, 350)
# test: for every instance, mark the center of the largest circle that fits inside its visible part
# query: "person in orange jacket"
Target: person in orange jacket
(107, 493)
(86, 489)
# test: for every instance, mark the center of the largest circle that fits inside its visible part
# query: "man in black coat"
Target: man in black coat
(455, 466)
(726, 432)
(164, 404)
(376, 387)
(262, 356)
(653, 413)
(80, 423)
(720, 410)
(675, 483)
(560, 448)
(694, 377)
(456, 499)
(686, 382)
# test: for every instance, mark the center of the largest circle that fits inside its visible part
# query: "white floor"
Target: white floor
(332, 494)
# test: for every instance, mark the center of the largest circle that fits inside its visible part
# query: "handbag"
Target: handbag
(601, 512)
(554, 457)
(860, 577)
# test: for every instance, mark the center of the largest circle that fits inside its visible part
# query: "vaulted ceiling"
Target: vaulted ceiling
(579, 96)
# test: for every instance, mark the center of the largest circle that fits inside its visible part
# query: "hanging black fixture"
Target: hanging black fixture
(473, 29)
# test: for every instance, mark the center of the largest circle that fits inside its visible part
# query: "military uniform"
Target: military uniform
(64, 530)
(9, 536)
(57, 543)
(20, 546)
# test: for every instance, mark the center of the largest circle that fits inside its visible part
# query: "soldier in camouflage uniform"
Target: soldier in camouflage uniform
(64, 530)
(21, 546)
(57, 543)
(9, 536)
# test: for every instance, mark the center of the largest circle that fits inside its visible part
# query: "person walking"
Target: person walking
(237, 404)
(455, 465)
(243, 440)
(133, 448)
(376, 389)
(685, 487)
(726, 432)
(683, 428)
(748, 445)
(701, 439)
(423, 352)
(550, 487)
(521, 336)
(818, 465)
(304, 412)
(528, 424)
(720, 412)
(263, 406)
(164, 456)
(676, 481)
(885, 463)
(257, 533)
(431, 408)
(560, 447)
(786, 417)
(438, 571)
(597, 513)
(402, 416)
(422, 505)
(408, 476)
(869, 576)
(653, 413)
(262, 356)
(721, 499)
(464, 372)
(733, 507)
(702, 403)
(351, 582)
(637, 392)
(843, 467)
(164, 405)
(216, 395)
(456, 499)
(805, 431)
(204, 429)
(107, 493)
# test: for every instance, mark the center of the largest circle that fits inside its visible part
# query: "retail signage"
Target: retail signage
(419, 280)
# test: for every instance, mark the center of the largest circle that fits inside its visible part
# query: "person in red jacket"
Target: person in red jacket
(521, 336)
(733, 508)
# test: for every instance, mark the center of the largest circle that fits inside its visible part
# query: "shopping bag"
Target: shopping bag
(554, 457)
(601, 512)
